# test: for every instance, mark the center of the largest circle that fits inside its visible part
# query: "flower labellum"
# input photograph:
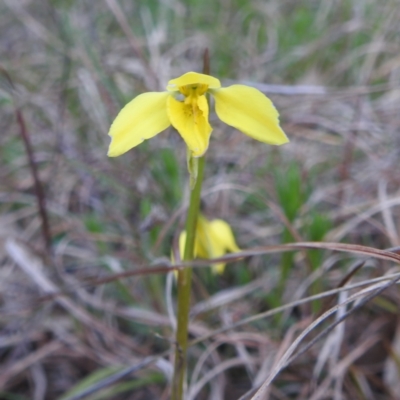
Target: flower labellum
(185, 107)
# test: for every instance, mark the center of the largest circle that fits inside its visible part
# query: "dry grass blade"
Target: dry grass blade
(104, 383)
(129, 370)
(343, 365)
(33, 25)
(388, 215)
(195, 389)
(10, 371)
(34, 268)
(287, 358)
(293, 304)
(120, 16)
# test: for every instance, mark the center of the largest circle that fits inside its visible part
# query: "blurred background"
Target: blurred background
(332, 69)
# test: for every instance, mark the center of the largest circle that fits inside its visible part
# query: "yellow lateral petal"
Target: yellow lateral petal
(248, 110)
(222, 241)
(208, 245)
(191, 123)
(191, 78)
(223, 234)
(142, 118)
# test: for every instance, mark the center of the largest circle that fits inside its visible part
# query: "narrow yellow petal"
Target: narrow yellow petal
(248, 110)
(191, 121)
(142, 118)
(223, 234)
(222, 240)
(191, 78)
(214, 239)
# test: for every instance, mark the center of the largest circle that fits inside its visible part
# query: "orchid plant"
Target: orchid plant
(185, 106)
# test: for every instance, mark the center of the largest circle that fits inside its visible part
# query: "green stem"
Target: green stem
(184, 288)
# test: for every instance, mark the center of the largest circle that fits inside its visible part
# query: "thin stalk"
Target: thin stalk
(184, 288)
(37, 184)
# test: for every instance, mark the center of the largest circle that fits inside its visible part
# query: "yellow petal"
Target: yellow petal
(191, 78)
(248, 110)
(223, 235)
(191, 122)
(223, 241)
(218, 268)
(142, 118)
(214, 239)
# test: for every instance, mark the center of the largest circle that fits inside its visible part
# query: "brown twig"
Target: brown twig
(391, 254)
(38, 187)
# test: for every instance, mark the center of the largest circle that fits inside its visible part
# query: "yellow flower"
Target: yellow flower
(185, 107)
(213, 239)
